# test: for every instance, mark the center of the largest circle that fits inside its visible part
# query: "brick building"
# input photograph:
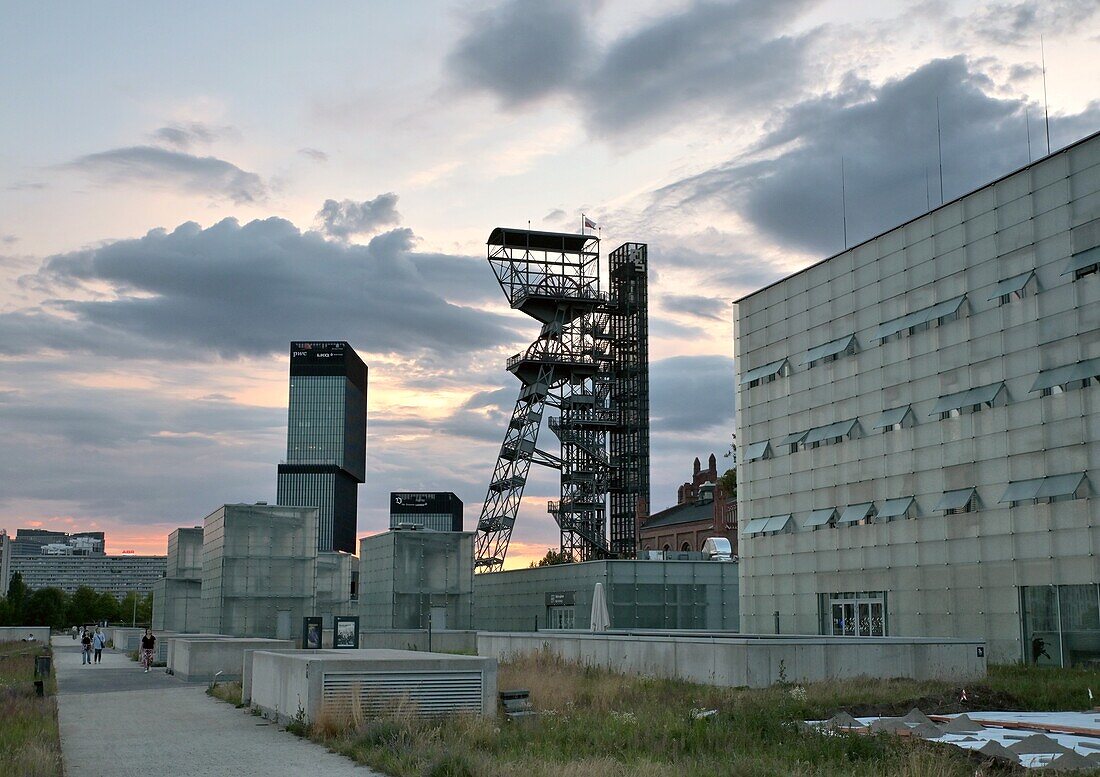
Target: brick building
(702, 510)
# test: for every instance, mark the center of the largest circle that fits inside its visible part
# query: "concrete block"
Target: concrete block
(335, 681)
(200, 659)
(17, 633)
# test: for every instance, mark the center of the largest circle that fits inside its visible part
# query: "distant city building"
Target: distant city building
(326, 438)
(918, 426)
(702, 511)
(117, 575)
(5, 562)
(36, 542)
(436, 510)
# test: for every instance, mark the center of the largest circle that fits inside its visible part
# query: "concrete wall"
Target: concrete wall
(756, 662)
(199, 659)
(166, 644)
(16, 633)
(125, 638)
(417, 639)
(954, 575)
(284, 682)
(177, 605)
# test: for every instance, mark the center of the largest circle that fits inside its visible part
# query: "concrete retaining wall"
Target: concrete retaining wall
(757, 661)
(166, 644)
(199, 659)
(125, 638)
(417, 639)
(16, 633)
(286, 681)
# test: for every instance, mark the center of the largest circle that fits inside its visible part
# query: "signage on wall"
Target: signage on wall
(561, 598)
(311, 633)
(345, 632)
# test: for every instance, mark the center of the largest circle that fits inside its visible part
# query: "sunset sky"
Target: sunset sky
(185, 188)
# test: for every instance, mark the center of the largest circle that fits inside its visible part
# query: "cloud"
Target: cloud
(316, 154)
(346, 218)
(697, 305)
(1020, 24)
(184, 135)
(523, 50)
(723, 58)
(172, 169)
(789, 186)
(690, 394)
(248, 290)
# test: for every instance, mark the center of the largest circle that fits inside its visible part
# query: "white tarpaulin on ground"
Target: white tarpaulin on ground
(600, 619)
(1062, 740)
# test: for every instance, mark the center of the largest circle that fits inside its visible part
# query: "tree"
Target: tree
(47, 607)
(552, 558)
(16, 599)
(728, 483)
(83, 606)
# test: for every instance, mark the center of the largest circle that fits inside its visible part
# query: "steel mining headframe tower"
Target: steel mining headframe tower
(588, 364)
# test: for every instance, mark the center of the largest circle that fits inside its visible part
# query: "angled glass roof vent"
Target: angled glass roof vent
(829, 349)
(757, 450)
(955, 500)
(946, 308)
(1059, 376)
(1082, 259)
(895, 508)
(1011, 285)
(984, 395)
(755, 526)
(892, 417)
(765, 371)
(821, 518)
(858, 512)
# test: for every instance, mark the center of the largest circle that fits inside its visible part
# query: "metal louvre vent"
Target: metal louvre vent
(433, 693)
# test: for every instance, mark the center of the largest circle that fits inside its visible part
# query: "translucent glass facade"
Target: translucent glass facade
(407, 576)
(936, 334)
(1062, 624)
(662, 595)
(315, 432)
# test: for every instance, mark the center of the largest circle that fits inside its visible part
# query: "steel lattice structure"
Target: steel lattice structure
(590, 363)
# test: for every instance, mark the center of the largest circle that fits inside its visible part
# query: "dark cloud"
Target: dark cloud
(691, 393)
(316, 154)
(523, 49)
(248, 290)
(346, 218)
(725, 58)
(791, 185)
(697, 305)
(172, 169)
(711, 57)
(1020, 24)
(184, 135)
(21, 186)
(8, 239)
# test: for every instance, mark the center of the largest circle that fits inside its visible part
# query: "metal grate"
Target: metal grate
(433, 693)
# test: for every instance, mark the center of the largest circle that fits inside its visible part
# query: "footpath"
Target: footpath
(118, 721)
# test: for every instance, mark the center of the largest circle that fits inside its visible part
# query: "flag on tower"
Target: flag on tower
(588, 223)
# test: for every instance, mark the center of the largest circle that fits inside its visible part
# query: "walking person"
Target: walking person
(99, 641)
(74, 633)
(148, 649)
(85, 648)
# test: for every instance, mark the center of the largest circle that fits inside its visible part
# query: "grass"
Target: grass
(30, 745)
(230, 692)
(592, 721)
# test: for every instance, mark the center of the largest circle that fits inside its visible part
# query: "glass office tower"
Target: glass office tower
(326, 450)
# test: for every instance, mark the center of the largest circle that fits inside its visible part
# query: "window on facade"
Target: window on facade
(766, 374)
(830, 352)
(791, 442)
(1061, 624)
(969, 401)
(1011, 289)
(1084, 263)
(938, 314)
(561, 618)
(686, 546)
(1067, 378)
(1055, 488)
(854, 614)
(894, 420)
(831, 434)
(757, 450)
(963, 500)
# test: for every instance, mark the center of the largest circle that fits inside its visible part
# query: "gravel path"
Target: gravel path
(118, 721)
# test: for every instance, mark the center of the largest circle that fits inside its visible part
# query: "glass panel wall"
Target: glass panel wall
(1061, 625)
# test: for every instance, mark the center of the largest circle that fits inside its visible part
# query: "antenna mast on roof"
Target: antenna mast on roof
(1027, 123)
(1046, 104)
(939, 145)
(843, 205)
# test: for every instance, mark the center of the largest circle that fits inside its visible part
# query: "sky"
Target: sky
(186, 188)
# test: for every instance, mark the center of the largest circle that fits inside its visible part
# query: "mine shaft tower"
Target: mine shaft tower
(590, 364)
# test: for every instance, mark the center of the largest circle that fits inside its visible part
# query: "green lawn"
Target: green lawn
(30, 745)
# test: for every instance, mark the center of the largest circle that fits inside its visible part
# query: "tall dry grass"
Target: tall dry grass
(30, 744)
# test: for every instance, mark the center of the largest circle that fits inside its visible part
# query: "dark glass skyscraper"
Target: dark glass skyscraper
(326, 448)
